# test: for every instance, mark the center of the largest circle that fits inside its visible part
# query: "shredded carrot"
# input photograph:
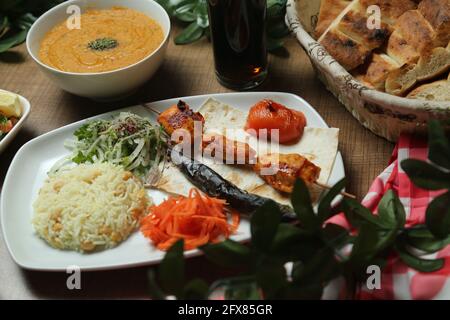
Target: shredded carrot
(197, 218)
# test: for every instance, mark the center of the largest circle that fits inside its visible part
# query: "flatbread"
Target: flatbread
(319, 145)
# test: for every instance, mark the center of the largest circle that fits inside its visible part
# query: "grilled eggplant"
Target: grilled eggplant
(211, 183)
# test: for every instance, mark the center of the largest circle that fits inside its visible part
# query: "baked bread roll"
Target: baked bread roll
(349, 53)
(329, 10)
(413, 47)
(375, 72)
(429, 66)
(437, 13)
(349, 39)
(413, 35)
(435, 91)
(400, 50)
(390, 9)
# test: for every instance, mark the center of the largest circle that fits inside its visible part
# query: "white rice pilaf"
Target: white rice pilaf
(89, 207)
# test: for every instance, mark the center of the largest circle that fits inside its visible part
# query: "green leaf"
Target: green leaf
(358, 214)
(79, 158)
(274, 44)
(438, 216)
(196, 289)
(277, 29)
(13, 40)
(271, 3)
(419, 231)
(3, 119)
(271, 278)
(276, 9)
(195, 11)
(155, 291)
(292, 243)
(369, 243)
(364, 244)
(287, 235)
(424, 240)
(324, 211)
(301, 201)
(201, 11)
(439, 145)
(264, 224)
(25, 21)
(192, 33)
(171, 270)
(391, 210)
(171, 5)
(238, 288)
(336, 236)
(4, 25)
(228, 253)
(425, 175)
(186, 12)
(422, 265)
(321, 268)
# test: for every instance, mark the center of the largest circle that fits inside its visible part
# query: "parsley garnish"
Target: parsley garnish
(103, 44)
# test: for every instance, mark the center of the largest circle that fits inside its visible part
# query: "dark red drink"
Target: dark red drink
(239, 41)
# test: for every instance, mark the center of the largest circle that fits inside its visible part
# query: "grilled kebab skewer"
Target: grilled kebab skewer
(288, 167)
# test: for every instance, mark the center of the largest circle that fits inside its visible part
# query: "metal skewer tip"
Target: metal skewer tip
(150, 108)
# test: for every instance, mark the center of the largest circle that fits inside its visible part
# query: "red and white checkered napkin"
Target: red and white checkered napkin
(398, 280)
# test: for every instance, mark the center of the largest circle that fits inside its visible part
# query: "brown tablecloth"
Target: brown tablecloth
(187, 70)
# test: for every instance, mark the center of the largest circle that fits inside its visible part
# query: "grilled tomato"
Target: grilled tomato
(271, 115)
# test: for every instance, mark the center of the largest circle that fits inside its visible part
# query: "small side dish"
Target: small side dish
(118, 46)
(10, 112)
(89, 207)
(108, 39)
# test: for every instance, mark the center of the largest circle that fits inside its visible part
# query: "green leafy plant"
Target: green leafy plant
(194, 14)
(434, 175)
(16, 18)
(319, 251)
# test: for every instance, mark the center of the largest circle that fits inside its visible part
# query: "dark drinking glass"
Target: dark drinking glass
(239, 42)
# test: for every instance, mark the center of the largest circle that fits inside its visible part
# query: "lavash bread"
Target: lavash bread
(435, 91)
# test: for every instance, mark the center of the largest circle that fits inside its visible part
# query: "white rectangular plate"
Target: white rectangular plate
(29, 169)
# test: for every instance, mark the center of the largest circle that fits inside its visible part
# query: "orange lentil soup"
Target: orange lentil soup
(108, 39)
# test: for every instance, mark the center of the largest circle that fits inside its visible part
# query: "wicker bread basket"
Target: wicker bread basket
(384, 114)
